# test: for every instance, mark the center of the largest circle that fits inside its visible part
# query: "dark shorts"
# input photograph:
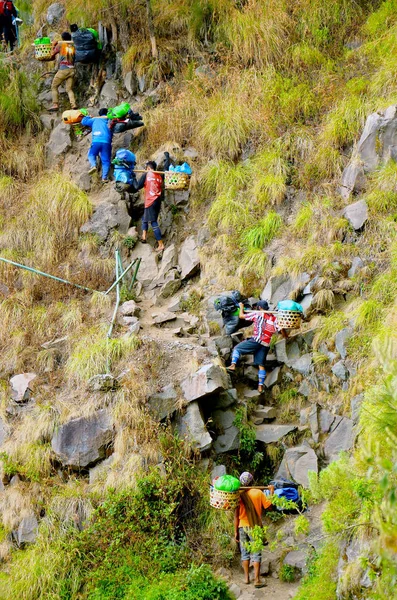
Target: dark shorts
(151, 213)
(251, 347)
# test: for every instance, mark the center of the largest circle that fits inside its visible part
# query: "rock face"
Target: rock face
(148, 270)
(353, 179)
(297, 559)
(55, 13)
(163, 404)
(356, 214)
(102, 383)
(20, 391)
(341, 338)
(27, 530)
(107, 218)
(83, 442)
(272, 433)
(60, 141)
(109, 96)
(279, 287)
(340, 439)
(130, 309)
(230, 438)
(340, 371)
(206, 381)
(297, 463)
(287, 352)
(192, 426)
(189, 260)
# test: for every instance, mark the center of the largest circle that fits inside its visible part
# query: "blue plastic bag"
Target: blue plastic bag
(185, 168)
(122, 174)
(288, 494)
(289, 305)
(124, 155)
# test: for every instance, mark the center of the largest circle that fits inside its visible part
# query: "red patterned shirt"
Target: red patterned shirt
(265, 326)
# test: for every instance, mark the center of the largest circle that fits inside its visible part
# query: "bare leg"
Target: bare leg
(246, 569)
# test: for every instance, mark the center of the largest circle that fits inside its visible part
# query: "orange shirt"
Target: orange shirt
(259, 500)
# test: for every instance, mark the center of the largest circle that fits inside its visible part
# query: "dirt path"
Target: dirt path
(274, 590)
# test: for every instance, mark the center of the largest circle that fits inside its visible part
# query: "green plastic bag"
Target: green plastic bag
(227, 483)
(118, 112)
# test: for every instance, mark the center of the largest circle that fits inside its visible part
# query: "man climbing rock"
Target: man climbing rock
(101, 144)
(8, 12)
(247, 515)
(153, 185)
(66, 70)
(265, 325)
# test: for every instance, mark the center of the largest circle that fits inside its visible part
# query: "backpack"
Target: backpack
(119, 112)
(226, 305)
(282, 483)
(125, 156)
(71, 117)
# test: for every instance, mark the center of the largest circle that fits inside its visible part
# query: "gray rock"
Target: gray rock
(341, 338)
(130, 83)
(357, 265)
(223, 342)
(266, 413)
(48, 121)
(355, 406)
(340, 371)
(165, 317)
(273, 377)
(133, 327)
(27, 531)
(272, 433)
(141, 83)
(305, 388)
(192, 426)
(109, 96)
(226, 399)
(189, 260)
(356, 214)
(55, 13)
(20, 390)
(313, 422)
(218, 471)
(302, 364)
(168, 262)
(178, 198)
(366, 147)
(206, 381)
(252, 393)
(107, 218)
(280, 287)
(287, 352)
(297, 559)
(83, 441)
(148, 270)
(326, 420)
(203, 236)
(60, 141)
(163, 404)
(340, 439)
(102, 383)
(229, 439)
(296, 464)
(171, 285)
(353, 179)
(235, 590)
(306, 302)
(130, 309)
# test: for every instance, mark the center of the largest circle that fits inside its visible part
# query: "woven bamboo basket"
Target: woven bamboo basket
(176, 181)
(224, 500)
(43, 52)
(289, 319)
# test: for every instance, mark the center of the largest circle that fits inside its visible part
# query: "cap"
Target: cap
(246, 478)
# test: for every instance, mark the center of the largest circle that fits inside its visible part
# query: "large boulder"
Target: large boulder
(189, 260)
(272, 433)
(353, 179)
(55, 12)
(163, 404)
(279, 287)
(340, 439)
(83, 442)
(297, 463)
(287, 351)
(27, 530)
(169, 261)
(107, 218)
(302, 364)
(20, 386)
(148, 269)
(109, 94)
(229, 438)
(192, 427)
(356, 214)
(206, 381)
(341, 338)
(60, 142)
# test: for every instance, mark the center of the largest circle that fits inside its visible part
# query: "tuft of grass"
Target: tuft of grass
(261, 234)
(269, 172)
(93, 353)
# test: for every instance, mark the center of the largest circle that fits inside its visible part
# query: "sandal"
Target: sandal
(53, 108)
(258, 586)
(143, 241)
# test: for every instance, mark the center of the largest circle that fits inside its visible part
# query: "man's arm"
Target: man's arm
(87, 121)
(137, 185)
(55, 49)
(236, 520)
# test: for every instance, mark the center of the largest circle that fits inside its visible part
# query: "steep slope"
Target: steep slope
(268, 102)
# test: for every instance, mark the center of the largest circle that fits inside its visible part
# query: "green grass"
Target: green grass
(261, 234)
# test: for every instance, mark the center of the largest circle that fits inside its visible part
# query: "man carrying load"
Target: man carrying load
(101, 144)
(66, 70)
(265, 325)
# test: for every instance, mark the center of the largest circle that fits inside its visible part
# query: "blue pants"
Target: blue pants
(250, 346)
(155, 227)
(105, 152)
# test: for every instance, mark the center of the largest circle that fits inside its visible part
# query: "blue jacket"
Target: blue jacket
(100, 129)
